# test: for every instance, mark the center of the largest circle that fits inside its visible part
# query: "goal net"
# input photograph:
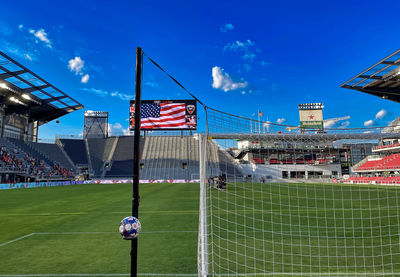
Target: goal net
(282, 201)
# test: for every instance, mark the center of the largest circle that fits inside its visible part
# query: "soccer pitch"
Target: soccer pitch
(258, 229)
(72, 230)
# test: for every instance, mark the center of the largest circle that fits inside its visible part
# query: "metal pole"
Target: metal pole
(136, 157)
(203, 235)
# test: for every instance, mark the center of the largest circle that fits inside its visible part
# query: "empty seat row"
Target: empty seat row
(390, 162)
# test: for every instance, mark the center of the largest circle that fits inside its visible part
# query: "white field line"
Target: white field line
(116, 232)
(17, 239)
(88, 233)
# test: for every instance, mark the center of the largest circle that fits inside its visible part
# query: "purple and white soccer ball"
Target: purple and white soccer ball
(129, 227)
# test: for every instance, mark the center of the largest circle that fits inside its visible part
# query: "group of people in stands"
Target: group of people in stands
(10, 159)
(30, 164)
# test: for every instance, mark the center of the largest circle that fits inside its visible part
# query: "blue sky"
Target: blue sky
(236, 56)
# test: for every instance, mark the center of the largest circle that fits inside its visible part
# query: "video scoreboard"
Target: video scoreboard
(165, 115)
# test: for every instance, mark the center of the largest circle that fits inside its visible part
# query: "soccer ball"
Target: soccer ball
(129, 227)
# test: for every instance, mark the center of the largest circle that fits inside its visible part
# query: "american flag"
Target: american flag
(163, 116)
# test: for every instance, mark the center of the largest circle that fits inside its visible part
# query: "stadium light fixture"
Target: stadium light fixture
(16, 100)
(4, 85)
(28, 97)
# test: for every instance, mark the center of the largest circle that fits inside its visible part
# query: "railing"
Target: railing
(11, 169)
(386, 147)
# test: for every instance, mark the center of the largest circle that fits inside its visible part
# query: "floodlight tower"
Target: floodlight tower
(96, 124)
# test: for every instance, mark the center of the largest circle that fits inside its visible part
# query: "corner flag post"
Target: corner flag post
(136, 156)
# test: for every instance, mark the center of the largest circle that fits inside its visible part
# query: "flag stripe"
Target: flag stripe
(150, 125)
(169, 116)
(179, 113)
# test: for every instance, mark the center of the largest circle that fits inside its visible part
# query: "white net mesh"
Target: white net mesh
(283, 203)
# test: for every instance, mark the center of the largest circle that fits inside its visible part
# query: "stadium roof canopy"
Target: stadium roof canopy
(24, 92)
(382, 79)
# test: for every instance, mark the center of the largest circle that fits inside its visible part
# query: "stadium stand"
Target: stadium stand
(122, 159)
(53, 152)
(22, 145)
(388, 146)
(96, 152)
(169, 157)
(19, 162)
(390, 162)
(75, 149)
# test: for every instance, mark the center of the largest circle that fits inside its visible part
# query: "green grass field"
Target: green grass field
(265, 229)
(74, 230)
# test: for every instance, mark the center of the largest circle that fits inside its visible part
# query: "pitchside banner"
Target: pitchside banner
(165, 115)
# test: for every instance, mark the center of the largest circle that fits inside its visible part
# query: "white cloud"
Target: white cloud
(126, 132)
(85, 78)
(20, 26)
(381, 114)
(76, 65)
(103, 93)
(368, 123)
(122, 96)
(226, 27)
(117, 126)
(344, 124)
(42, 36)
(99, 92)
(118, 129)
(28, 57)
(239, 45)
(267, 123)
(222, 80)
(17, 51)
(249, 57)
(280, 120)
(152, 84)
(329, 123)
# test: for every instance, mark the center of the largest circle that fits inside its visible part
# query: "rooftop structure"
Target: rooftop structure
(382, 79)
(27, 99)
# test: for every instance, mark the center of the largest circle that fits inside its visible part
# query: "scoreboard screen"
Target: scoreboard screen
(165, 115)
